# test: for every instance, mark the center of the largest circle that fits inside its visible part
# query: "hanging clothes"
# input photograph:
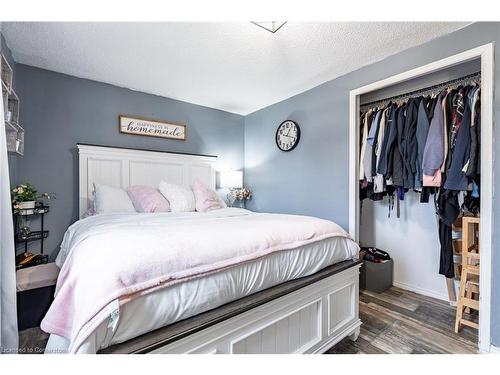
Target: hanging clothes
(421, 136)
(458, 107)
(397, 161)
(367, 158)
(430, 145)
(433, 155)
(460, 146)
(473, 168)
(378, 179)
(446, 128)
(387, 159)
(410, 143)
(448, 210)
(424, 142)
(364, 138)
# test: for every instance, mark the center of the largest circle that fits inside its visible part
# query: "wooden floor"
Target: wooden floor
(402, 322)
(32, 341)
(396, 321)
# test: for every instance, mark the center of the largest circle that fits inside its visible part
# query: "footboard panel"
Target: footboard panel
(306, 315)
(309, 320)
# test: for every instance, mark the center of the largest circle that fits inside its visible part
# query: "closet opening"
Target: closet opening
(397, 207)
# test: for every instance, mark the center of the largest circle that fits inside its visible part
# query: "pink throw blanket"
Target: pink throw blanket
(120, 257)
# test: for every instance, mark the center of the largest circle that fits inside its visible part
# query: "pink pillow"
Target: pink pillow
(205, 198)
(147, 199)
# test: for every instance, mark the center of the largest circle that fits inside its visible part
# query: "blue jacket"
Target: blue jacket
(434, 145)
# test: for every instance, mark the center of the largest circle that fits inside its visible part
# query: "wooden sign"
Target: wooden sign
(152, 128)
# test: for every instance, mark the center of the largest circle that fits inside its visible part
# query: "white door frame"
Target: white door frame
(486, 54)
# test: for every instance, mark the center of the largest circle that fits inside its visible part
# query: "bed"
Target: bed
(275, 284)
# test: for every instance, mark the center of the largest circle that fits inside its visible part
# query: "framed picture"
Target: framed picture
(152, 128)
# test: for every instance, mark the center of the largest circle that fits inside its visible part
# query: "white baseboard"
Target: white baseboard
(494, 349)
(423, 291)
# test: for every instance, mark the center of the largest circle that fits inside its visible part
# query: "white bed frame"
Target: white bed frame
(123, 167)
(308, 320)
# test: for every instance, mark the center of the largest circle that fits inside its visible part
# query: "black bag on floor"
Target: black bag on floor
(377, 271)
(374, 254)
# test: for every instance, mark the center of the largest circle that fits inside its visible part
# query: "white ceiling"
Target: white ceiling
(237, 67)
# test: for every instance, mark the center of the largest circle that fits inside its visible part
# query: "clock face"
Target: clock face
(287, 135)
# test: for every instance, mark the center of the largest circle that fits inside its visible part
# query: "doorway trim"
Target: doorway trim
(486, 54)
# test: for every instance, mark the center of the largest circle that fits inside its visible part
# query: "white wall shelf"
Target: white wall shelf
(5, 96)
(7, 73)
(12, 110)
(13, 131)
(15, 138)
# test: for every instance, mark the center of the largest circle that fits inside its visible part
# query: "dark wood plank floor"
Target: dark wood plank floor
(396, 321)
(401, 322)
(32, 341)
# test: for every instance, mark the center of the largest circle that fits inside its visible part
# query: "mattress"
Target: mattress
(194, 296)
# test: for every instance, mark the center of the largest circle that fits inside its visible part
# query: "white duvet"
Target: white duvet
(194, 296)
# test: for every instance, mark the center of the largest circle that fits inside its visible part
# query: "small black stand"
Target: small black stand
(28, 259)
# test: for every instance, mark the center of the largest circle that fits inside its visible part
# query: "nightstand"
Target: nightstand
(35, 292)
(22, 217)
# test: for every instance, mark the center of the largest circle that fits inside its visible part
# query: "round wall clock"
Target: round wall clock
(287, 135)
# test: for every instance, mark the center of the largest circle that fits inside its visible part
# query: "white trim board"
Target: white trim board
(494, 349)
(422, 291)
(486, 54)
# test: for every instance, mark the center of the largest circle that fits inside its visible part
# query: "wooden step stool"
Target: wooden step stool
(469, 279)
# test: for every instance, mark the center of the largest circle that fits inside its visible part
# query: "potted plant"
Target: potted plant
(24, 197)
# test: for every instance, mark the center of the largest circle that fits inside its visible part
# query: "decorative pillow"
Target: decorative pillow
(181, 199)
(110, 199)
(205, 198)
(147, 199)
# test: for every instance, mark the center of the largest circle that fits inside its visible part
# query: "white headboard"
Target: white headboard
(122, 167)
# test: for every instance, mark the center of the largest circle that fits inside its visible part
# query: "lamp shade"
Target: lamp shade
(231, 179)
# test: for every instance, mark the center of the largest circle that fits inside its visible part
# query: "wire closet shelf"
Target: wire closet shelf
(468, 79)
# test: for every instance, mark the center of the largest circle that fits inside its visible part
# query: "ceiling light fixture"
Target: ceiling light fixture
(271, 26)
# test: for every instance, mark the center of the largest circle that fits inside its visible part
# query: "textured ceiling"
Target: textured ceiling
(237, 67)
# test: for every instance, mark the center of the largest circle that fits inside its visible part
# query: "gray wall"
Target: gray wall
(313, 178)
(4, 48)
(59, 111)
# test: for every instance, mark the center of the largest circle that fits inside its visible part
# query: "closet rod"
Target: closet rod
(465, 79)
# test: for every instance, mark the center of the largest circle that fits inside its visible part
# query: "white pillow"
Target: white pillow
(108, 199)
(222, 201)
(181, 198)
